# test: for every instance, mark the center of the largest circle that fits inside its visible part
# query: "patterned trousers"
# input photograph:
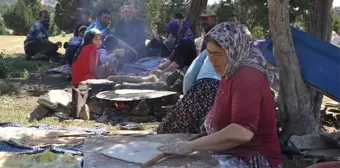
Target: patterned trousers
(229, 161)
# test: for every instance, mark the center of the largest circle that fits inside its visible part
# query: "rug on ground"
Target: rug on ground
(18, 139)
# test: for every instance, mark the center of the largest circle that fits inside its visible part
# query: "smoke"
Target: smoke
(114, 5)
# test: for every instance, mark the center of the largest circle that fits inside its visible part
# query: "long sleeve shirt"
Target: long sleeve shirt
(245, 99)
(85, 64)
(133, 33)
(200, 68)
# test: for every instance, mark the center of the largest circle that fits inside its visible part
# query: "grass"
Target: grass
(21, 86)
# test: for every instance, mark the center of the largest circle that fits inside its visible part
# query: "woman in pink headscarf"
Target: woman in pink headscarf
(131, 30)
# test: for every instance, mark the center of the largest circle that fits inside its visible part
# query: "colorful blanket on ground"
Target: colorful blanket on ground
(142, 67)
(64, 69)
(13, 147)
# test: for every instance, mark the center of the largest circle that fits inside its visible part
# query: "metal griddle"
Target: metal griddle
(132, 94)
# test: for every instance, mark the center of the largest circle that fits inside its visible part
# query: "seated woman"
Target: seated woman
(199, 86)
(86, 60)
(109, 57)
(73, 44)
(184, 51)
(241, 126)
(131, 30)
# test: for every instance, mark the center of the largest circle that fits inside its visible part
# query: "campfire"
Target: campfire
(118, 105)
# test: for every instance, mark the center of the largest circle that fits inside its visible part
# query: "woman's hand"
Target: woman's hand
(177, 148)
(119, 52)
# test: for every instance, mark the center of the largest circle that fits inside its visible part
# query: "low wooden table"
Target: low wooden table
(94, 159)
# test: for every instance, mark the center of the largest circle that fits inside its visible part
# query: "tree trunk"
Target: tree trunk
(295, 107)
(320, 27)
(321, 20)
(195, 10)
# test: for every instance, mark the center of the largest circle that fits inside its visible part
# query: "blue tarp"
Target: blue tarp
(319, 62)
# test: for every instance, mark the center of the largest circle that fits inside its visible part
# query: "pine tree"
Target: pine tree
(21, 16)
(65, 12)
(2, 27)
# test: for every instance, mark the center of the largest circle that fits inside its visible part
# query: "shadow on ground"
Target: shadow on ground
(19, 76)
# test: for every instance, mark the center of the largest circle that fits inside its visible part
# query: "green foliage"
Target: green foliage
(3, 30)
(156, 18)
(336, 19)
(65, 11)
(224, 9)
(254, 13)
(158, 13)
(3, 8)
(50, 9)
(16, 67)
(20, 16)
(6, 87)
(54, 29)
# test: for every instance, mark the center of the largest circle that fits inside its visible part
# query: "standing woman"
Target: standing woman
(86, 60)
(241, 126)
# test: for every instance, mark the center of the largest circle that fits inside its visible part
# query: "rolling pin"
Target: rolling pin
(163, 155)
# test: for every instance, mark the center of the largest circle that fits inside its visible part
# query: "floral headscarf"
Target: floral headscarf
(89, 35)
(235, 40)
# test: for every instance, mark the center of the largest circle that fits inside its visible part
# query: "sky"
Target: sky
(335, 2)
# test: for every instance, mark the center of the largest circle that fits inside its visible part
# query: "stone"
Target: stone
(95, 106)
(333, 138)
(328, 153)
(308, 142)
(141, 109)
(40, 112)
(84, 113)
(56, 97)
(164, 110)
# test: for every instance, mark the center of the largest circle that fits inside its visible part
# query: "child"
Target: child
(86, 60)
(73, 44)
(108, 60)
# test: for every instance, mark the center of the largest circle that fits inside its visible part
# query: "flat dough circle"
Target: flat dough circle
(135, 152)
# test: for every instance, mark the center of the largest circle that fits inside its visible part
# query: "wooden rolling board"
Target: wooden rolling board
(94, 159)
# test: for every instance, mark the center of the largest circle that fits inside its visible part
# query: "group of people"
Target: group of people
(227, 98)
(102, 52)
(227, 94)
(94, 51)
